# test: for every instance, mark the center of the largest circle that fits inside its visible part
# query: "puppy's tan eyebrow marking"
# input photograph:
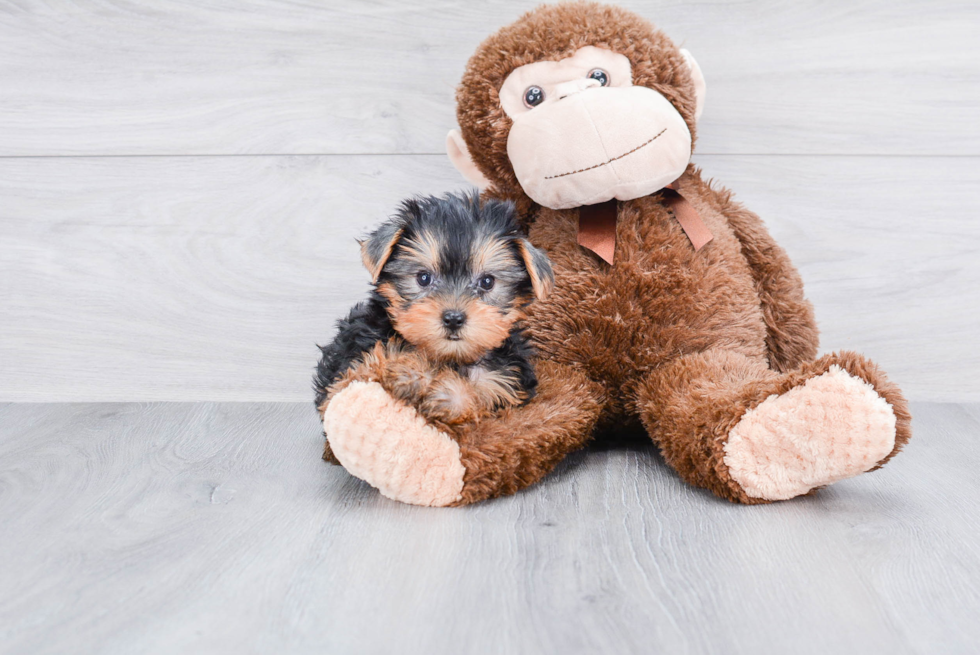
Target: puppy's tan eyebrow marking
(424, 249)
(490, 253)
(582, 170)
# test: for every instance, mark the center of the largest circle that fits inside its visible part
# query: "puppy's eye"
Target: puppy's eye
(600, 75)
(533, 96)
(486, 282)
(424, 278)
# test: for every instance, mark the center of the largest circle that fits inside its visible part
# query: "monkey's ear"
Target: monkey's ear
(538, 268)
(699, 86)
(459, 155)
(377, 248)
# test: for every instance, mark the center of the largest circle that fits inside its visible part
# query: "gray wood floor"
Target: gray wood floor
(214, 527)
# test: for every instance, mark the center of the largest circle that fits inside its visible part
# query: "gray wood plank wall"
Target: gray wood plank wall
(181, 183)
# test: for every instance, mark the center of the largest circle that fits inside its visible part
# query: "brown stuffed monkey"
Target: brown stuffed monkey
(673, 309)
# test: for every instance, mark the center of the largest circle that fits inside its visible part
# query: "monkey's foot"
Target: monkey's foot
(832, 427)
(388, 445)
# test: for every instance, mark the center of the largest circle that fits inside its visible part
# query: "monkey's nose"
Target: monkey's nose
(566, 89)
(453, 319)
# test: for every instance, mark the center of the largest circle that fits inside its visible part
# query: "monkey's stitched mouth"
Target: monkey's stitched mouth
(582, 170)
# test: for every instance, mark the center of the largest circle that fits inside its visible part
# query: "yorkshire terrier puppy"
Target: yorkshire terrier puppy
(441, 329)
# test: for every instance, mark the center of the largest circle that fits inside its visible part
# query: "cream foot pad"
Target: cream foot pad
(388, 445)
(832, 427)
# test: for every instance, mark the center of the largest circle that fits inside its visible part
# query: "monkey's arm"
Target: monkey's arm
(792, 337)
(391, 446)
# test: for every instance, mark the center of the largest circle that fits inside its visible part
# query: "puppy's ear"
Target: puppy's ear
(538, 268)
(377, 248)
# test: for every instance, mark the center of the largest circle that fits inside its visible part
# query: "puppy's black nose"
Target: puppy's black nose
(453, 319)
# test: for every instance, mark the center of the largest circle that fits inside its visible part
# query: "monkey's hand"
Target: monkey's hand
(375, 430)
(389, 443)
(401, 371)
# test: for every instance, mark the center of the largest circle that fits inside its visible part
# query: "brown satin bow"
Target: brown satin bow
(597, 224)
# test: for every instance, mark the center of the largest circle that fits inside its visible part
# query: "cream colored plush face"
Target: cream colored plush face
(586, 142)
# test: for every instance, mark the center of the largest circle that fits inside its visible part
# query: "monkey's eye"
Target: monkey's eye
(533, 96)
(486, 282)
(424, 278)
(600, 75)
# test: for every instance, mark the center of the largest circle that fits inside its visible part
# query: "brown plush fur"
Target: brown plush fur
(683, 342)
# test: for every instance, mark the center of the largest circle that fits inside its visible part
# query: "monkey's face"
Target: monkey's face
(583, 134)
(575, 104)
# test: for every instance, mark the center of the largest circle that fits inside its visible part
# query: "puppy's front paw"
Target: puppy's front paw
(388, 445)
(451, 399)
(408, 376)
(496, 388)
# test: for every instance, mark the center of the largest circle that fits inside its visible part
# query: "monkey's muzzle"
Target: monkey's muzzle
(599, 144)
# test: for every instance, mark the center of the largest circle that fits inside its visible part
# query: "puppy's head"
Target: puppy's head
(456, 273)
